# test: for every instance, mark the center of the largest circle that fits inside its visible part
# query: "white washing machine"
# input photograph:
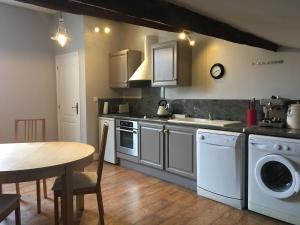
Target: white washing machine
(221, 166)
(274, 177)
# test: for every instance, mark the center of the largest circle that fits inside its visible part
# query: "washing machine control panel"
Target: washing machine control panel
(277, 147)
(288, 146)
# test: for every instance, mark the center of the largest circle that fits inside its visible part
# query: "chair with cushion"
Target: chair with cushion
(85, 182)
(9, 203)
(32, 130)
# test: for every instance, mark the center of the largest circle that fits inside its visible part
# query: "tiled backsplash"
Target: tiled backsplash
(220, 108)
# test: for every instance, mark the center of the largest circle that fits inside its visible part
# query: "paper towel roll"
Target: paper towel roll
(105, 108)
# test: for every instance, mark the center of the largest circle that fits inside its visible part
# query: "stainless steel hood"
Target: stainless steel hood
(143, 72)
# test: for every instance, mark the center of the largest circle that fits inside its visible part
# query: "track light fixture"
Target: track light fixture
(186, 36)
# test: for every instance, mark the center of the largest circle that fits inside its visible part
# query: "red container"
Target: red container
(251, 117)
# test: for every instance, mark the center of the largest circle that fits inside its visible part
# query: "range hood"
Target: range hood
(143, 73)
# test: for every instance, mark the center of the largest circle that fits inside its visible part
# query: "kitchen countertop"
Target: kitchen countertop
(277, 132)
(231, 128)
(268, 131)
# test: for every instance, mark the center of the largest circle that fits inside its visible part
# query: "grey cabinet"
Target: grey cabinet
(152, 145)
(180, 151)
(171, 64)
(122, 65)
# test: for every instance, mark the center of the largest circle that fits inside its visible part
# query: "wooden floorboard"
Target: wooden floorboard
(132, 198)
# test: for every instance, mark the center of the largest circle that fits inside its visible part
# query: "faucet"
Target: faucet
(210, 117)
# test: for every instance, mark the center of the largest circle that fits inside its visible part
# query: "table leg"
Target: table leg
(67, 196)
(38, 196)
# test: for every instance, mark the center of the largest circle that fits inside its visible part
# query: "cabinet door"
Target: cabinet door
(164, 68)
(181, 151)
(151, 145)
(118, 70)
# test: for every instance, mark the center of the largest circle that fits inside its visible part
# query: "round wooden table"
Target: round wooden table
(32, 161)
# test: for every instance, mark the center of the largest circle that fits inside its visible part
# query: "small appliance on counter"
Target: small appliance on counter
(163, 108)
(274, 112)
(105, 108)
(123, 108)
(293, 116)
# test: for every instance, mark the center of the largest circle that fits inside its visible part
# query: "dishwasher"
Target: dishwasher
(221, 166)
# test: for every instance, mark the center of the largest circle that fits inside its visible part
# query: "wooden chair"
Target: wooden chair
(85, 182)
(9, 203)
(32, 133)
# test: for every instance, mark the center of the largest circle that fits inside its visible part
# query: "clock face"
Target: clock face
(217, 71)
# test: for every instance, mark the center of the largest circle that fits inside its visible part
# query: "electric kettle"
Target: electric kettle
(163, 108)
(293, 116)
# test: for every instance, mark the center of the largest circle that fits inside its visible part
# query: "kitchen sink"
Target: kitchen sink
(208, 122)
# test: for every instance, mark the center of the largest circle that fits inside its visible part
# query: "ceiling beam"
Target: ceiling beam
(157, 14)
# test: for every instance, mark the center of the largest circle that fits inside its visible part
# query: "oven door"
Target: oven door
(127, 141)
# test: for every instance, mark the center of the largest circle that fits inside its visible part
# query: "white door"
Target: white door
(68, 95)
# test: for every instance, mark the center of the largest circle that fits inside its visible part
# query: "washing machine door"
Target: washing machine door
(277, 176)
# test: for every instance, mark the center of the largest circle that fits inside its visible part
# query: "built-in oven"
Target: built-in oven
(127, 137)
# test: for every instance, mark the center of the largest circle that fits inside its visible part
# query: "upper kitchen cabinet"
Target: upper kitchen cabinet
(171, 64)
(122, 66)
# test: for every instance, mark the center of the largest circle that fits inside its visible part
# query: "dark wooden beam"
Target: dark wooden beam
(157, 14)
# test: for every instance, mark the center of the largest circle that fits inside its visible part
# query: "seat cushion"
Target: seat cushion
(7, 202)
(81, 180)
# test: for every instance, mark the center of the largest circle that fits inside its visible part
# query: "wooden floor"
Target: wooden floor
(133, 198)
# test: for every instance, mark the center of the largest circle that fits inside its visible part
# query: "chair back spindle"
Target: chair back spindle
(30, 130)
(102, 152)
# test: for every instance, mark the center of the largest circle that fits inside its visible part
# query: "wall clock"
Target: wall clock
(217, 71)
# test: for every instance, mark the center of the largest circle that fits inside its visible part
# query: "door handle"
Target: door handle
(76, 107)
(258, 145)
(128, 131)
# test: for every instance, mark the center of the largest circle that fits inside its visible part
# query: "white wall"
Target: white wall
(27, 70)
(242, 80)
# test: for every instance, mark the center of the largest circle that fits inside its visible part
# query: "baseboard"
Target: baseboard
(161, 174)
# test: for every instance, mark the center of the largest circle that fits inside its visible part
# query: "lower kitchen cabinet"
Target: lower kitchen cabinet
(180, 151)
(152, 145)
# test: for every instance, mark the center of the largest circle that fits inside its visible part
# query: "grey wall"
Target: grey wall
(93, 49)
(75, 28)
(27, 70)
(97, 47)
